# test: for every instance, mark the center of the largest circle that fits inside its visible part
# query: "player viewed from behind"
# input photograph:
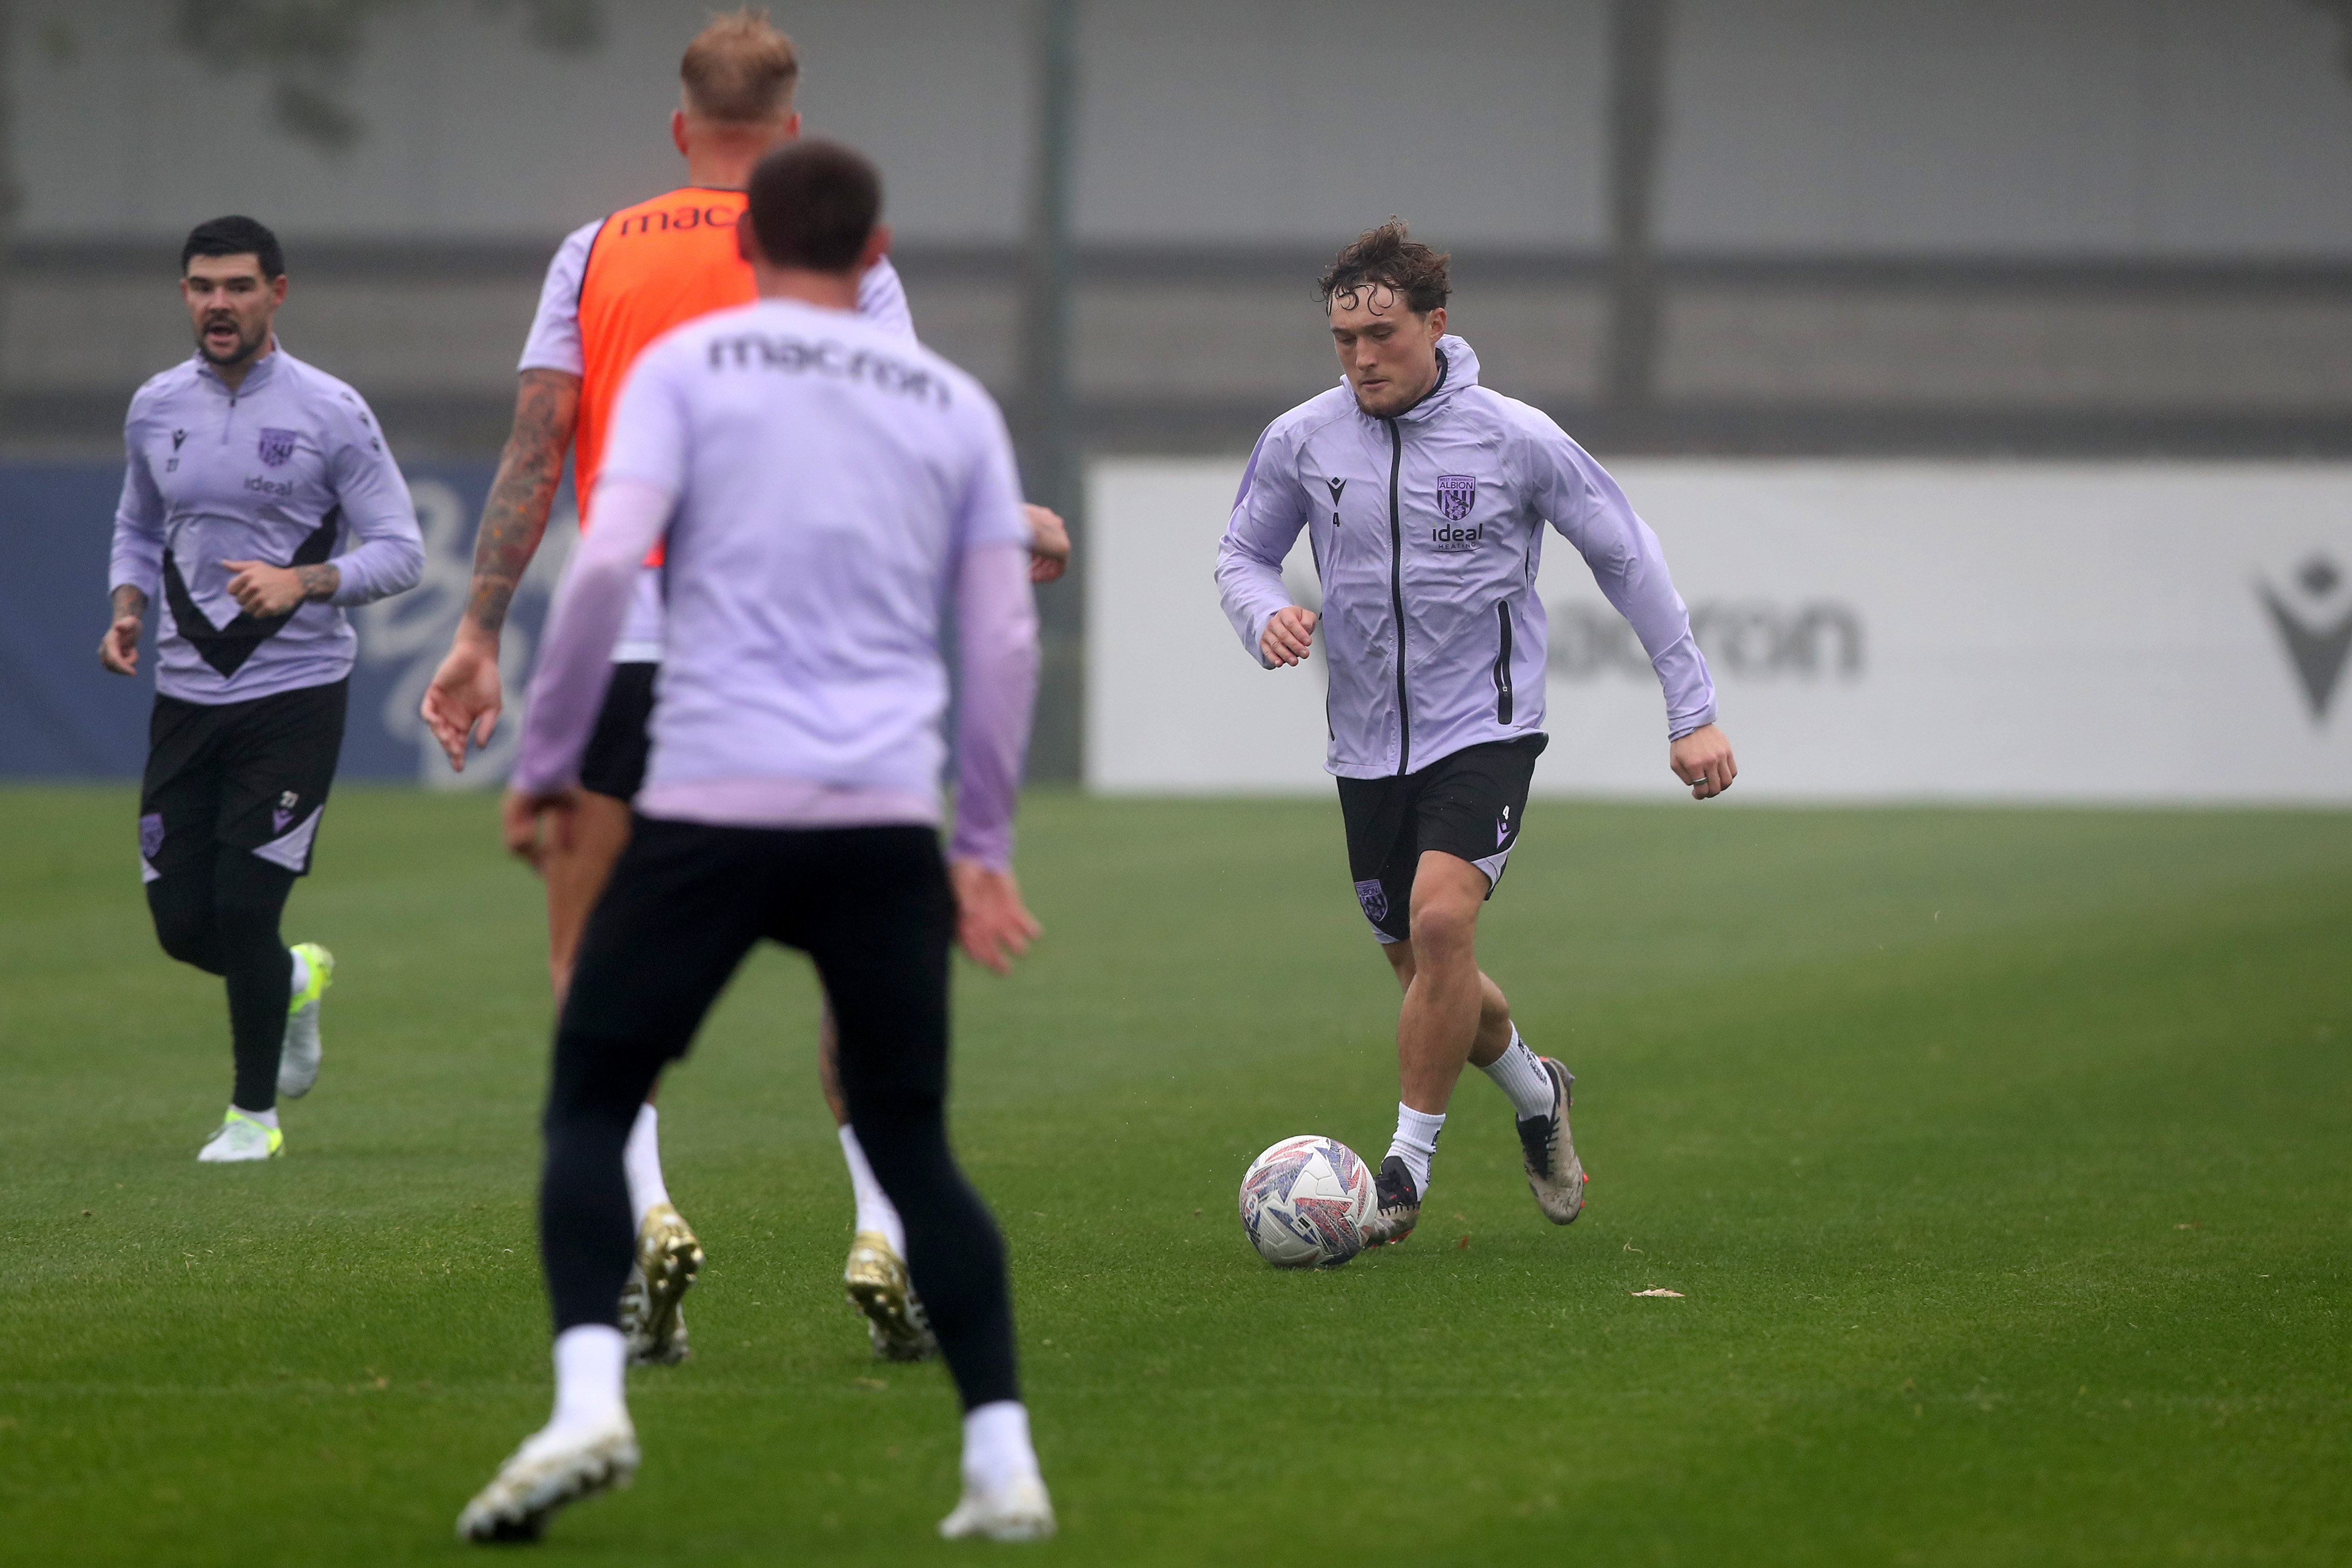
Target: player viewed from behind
(827, 489)
(614, 285)
(1424, 497)
(258, 501)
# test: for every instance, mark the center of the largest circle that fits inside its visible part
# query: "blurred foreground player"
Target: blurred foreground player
(1424, 497)
(615, 284)
(827, 491)
(258, 500)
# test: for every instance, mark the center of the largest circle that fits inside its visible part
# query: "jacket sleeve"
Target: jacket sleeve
(882, 299)
(1268, 516)
(1580, 498)
(996, 647)
(138, 557)
(387, 556)
(575, 651)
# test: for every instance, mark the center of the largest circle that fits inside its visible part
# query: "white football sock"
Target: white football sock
(996, 1450)
(588, 1369)
(875, 1209)
(266, 1118)
(301, 972)
(1518, 1074)
(1416, 1143)
(641, 1158)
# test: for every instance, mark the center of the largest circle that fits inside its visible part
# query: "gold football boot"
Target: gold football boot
(876, 1284)
(668, 1258)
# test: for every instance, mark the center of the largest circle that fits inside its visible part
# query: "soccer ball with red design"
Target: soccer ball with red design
(1305, 1201)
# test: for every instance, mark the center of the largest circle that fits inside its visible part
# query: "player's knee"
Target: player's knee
(1443, 927)
(184, 929)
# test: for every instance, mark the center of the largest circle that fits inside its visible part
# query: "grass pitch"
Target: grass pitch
(2004, 1161)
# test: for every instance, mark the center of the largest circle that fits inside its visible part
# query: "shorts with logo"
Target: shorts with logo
(1466, 804)
(614, 762)
(250, 776)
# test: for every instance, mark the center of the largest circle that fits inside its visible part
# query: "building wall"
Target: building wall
(2117, 127)
(2113, 227)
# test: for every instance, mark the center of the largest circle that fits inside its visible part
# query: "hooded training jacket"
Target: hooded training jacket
(1427, 530)
(287, 469)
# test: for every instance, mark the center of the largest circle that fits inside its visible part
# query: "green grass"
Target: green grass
(2003, 1159)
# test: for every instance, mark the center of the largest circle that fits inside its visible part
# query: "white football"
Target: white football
(1305, 1201)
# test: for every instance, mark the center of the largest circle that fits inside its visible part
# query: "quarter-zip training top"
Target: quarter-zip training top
(285, 469)
(1427, 530)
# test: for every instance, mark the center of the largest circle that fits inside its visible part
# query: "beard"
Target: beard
(248, 343)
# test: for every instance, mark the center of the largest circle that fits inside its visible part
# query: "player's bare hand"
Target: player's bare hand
(533, 823)
(1049, 543)
(991, 923)
(266, 591)
(1289, 636)
(118, 649)
(464, 701)
(1702, 760)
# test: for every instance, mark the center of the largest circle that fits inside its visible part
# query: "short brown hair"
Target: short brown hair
(739, 68)
(812, 204)
(1386, 256)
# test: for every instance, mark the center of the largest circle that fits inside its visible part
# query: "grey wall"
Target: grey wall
(2037, 127)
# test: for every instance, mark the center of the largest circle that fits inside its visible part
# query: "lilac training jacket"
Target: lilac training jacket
(1427, 530)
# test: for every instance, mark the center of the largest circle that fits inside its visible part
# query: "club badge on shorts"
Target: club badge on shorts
(277, 446)
(1375, 900)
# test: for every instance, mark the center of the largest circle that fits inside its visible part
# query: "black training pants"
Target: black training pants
(228, 814)
(872, 907)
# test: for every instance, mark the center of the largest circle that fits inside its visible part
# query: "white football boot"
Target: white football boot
(875, 1282)
(652, 1316)
(552, 1467)
(1554, 1173)
(1017, 1511)
(297, 1059)
(240, 1137)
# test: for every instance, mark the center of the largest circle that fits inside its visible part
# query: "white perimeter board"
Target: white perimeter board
(1878, 631)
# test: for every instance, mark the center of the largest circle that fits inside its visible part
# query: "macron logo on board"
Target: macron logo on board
(2315, 623)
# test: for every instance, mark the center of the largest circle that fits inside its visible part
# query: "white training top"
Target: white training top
(554, 345)
(836, 486)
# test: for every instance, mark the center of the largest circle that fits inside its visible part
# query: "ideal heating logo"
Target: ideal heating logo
(2314, 617)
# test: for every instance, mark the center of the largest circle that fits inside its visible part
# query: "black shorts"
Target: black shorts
(1466, 804)
(252, 776)
(614, 762)
(688, 901)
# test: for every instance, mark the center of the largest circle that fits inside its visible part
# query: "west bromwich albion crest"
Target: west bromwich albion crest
(277, 447)
(1455, 494)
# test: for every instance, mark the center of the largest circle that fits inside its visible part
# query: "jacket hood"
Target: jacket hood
(1457, 368)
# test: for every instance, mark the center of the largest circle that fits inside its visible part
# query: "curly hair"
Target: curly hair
(1386, 256)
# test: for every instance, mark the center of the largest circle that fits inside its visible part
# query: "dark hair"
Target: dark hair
(739, 68)
(812, 204)
(236, 236)
(1385, 256)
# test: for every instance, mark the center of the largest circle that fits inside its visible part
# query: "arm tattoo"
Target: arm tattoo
(547, 406)
(319, 581)
(130, 601)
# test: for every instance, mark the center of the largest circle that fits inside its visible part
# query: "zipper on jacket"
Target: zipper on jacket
(1396, 593)
(1502, 663)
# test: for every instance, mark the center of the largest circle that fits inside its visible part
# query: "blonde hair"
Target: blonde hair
(739, 69)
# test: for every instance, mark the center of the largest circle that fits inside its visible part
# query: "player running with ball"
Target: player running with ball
(828, 491)
(1425, 497)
